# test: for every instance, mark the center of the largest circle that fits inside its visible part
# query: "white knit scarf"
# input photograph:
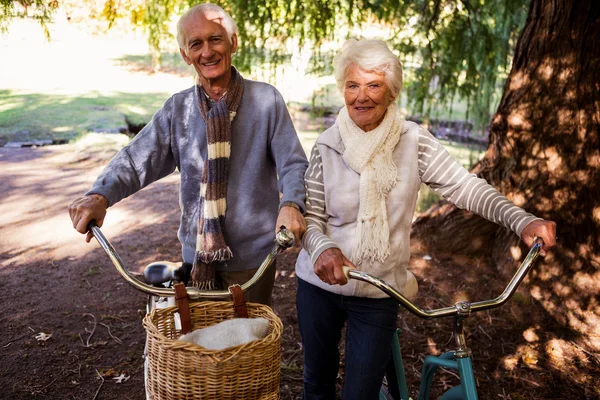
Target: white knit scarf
(370, 155)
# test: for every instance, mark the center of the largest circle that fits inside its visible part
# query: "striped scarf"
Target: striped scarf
(210, 243)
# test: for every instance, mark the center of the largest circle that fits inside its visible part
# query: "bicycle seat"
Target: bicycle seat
(160, 272)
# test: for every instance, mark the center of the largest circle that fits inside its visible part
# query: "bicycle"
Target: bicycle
(159, 274)
(160, 277)
(459, 359)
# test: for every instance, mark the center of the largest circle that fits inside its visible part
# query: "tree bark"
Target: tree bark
(544, 155)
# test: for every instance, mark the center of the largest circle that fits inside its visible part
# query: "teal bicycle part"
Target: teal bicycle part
(459, 359)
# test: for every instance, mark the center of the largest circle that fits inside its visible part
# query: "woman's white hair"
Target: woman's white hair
(369, 55)
(207, 8)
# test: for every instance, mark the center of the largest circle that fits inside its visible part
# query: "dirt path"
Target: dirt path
(55, 283)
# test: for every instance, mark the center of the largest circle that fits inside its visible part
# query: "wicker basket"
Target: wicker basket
(179, 370)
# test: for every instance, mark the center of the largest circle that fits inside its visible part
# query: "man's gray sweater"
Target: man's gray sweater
(266, 160)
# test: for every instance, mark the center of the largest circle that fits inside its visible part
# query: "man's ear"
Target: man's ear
(187, 60)
(234, 43)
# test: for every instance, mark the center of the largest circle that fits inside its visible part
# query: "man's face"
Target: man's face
(208, 47)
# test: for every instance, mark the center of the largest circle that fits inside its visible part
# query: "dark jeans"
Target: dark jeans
(370, 325)
(260, 292)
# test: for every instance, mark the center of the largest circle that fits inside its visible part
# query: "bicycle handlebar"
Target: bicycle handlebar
(460, 308)
(283, 239)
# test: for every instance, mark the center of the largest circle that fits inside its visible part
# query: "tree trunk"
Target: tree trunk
(544, 155)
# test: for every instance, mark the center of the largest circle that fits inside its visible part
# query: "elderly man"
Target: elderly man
(235, 146)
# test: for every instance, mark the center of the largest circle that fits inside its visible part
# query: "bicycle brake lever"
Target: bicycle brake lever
(285, 237)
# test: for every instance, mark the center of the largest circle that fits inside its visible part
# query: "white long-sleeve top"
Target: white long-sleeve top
(333, 201)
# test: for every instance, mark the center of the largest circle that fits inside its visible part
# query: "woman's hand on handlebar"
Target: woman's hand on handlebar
(329, 266)
(87, 209)
(546, 230)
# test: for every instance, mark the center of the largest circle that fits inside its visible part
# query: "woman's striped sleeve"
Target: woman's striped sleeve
(315, 241)
(452, 181)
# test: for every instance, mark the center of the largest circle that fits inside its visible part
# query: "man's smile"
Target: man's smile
(211, 63)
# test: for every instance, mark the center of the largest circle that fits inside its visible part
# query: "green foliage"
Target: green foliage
(40, 10)
(452, 50)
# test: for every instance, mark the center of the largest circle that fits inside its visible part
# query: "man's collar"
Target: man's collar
(210, 98)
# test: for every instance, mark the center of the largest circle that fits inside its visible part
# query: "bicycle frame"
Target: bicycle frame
(466, 390)
(459, 359)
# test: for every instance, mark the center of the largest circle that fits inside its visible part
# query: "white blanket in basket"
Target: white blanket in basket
(229, 333)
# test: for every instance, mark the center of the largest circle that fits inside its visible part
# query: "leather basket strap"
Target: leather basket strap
(183, 304)
(239, 302)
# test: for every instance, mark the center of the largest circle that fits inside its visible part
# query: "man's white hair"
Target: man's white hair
(207, 8)
(369, 55)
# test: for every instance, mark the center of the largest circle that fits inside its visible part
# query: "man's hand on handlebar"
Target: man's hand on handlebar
(546, 230)
(87, 209)
(293, 220)
(329, 266)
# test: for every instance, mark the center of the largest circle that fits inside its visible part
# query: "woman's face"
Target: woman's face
(367, 97)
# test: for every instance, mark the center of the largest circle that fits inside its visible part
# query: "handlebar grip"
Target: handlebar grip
(347, 270)
(91, 224)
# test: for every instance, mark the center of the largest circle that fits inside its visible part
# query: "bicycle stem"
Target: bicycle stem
(463, 312)
(283, 240)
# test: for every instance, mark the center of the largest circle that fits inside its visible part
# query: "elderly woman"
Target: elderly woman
(362, 183)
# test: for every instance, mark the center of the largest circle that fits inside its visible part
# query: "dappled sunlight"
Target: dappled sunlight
(570, 312)
(531, 335)
(516, 252)
(571, 94)
(9, 101)
(596, 214)
(593, 160)
(461, 295)
(565, 117)
(586, 323)
(59, 129)
(544, 156)
(45, 226)
(133, 109)
(518, 198)
(432, 347)
(548, 271)
(519, 121)
(545, 70)
(564, 74)
(518, 80)
(568, 358)
(527, 355)
(554, 160)
(561, 290)
(589, 283)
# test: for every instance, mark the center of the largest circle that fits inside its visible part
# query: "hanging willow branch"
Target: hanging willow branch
(458, 49)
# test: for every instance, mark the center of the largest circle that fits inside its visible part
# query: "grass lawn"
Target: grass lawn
(30, 116)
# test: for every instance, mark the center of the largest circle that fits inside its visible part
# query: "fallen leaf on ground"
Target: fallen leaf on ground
(121, 378)
(42, 337)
